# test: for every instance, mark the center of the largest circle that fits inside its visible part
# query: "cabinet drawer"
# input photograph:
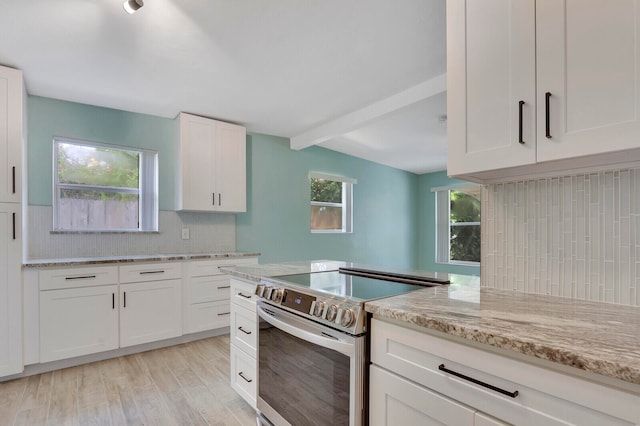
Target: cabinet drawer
(544, 396)
(150, 272)
(244, 329)
(208, 316)
(243, 293)
(243, 375)
(397, 401)
(209, 289)
(201, 268)
(52, 279)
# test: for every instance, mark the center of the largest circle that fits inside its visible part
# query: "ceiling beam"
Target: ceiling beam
(356, 119)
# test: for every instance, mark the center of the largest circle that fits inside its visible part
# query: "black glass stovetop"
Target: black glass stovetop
(356, 288)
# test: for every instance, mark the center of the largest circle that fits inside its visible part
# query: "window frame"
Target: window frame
(443, 223)
(147, 190)
(346, 204)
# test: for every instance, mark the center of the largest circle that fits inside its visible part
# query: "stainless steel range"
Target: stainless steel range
(312, 343)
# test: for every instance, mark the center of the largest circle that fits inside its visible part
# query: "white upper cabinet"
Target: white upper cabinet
(589, 61)
(541, 86)
(11, 134)
(211, 165)
(490, 70)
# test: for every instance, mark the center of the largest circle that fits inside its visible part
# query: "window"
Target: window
(458, 224)
(99, 187)
(331, 203)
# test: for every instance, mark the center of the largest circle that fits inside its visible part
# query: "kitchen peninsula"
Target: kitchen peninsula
(543, 345)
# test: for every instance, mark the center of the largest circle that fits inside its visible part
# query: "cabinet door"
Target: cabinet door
(78, 321)
(10, 290)
(11, 134)
(231, 176)
(150, 311)
(490, 70)
(589, 61)
(397, 401)
(197, 162)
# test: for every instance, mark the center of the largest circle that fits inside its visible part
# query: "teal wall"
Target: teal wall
(278, 211)
(50, 117)
(394, 223)
(427, 225)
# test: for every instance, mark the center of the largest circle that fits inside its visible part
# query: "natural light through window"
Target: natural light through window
(458, 224)
(331, 203)
(100, 187)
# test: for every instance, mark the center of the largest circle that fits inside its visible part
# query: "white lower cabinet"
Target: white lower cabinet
(244, 340)
(398, 401)
(244, 375)
(150, 311)
(78, 321)
(415, 377)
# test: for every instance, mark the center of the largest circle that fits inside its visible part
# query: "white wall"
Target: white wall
(575, 236)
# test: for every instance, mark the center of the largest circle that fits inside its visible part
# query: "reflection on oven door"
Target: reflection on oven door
(304, 383)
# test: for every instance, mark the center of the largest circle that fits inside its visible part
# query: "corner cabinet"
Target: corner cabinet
(541, 86)
(211, 170)
(420, 378)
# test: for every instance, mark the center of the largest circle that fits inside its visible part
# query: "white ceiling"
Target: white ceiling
(280, 67)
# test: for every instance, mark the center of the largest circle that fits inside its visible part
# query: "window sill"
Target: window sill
(102, 232)
(459, 263)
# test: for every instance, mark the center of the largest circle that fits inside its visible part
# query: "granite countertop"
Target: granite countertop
(255, 272)
(595, 337)
(43, 263)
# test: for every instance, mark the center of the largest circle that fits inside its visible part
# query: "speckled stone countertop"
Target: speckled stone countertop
(595, 337)
(255, 272)
(43, 263)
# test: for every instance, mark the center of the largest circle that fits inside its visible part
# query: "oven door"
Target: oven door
(308, 374)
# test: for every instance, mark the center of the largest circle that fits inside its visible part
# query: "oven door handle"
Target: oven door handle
(307, 332)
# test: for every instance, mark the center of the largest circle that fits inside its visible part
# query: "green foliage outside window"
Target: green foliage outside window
(326, 191)
(84, 165)
(464, 227)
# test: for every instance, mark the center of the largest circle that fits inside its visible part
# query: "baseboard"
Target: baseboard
(39, 368)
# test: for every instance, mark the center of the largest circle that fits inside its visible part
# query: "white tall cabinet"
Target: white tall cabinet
(549, 84)
(211, 165)
(11, 158)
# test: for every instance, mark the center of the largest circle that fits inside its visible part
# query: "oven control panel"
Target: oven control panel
(338, 313)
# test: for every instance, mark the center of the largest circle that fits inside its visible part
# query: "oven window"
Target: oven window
(305, 383)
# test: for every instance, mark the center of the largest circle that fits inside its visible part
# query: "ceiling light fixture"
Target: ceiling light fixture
(131, 6)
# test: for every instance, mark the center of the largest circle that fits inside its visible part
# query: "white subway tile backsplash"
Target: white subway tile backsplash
(209, 233)
(575, 236)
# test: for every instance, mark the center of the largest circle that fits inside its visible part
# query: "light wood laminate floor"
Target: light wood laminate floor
(186, 384)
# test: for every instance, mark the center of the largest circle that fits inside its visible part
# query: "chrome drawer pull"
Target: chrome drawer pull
(224, 313)
(151, 272)
(223, 287)
(243, 330)
(441, 367)
(84, 277)
(242, 375)
(244, 295)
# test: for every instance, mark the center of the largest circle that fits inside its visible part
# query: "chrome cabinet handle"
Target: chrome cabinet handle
(219, 198)
(113, 300)
(223, 287)
(14, 226)
(244, 295)
(13, 179)
(547, 114)
(124, 299)
(520, 105)
(83, 277)
(224, 313)
(243, 330)
(242, 375)
(514, 394)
